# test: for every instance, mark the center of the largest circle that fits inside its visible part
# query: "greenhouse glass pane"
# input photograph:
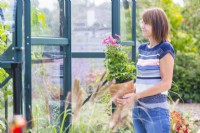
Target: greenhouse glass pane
(47, 85)
(7, 27)
(91, 23)
(126, 19)
(87, 71)
(45, 18)
(8, 88)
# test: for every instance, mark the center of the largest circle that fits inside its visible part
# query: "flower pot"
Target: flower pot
(119, 90)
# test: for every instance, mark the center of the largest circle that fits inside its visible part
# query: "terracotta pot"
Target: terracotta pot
(119, 90)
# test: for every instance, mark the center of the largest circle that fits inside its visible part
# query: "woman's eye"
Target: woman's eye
(144, 22)
(141, 22)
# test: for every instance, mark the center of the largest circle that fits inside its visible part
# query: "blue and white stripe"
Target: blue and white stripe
(148, 72)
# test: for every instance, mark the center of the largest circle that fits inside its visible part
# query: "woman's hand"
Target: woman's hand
(127, 99)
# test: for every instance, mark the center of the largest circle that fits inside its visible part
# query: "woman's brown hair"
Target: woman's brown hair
(160, 26)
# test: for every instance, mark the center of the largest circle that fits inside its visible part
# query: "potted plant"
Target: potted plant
(119, 67)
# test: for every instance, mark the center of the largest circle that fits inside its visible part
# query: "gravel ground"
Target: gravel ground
(193, 109)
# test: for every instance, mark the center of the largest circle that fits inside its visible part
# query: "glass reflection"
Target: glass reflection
(47, 85)
(87, 71)
(91, 22)
(126, 19)
(45, 18)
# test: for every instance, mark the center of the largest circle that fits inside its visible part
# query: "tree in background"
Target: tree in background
(191, 13)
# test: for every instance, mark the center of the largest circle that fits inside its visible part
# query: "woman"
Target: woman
(154, 76)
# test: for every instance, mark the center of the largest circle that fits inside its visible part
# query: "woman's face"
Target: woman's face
(146, 29)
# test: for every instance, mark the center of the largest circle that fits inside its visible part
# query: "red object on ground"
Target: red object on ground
(18, 123)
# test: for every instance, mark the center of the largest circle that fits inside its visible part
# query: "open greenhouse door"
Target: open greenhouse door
(10, 59)
(47, 64)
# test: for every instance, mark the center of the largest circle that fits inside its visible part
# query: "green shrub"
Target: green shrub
(186, 77)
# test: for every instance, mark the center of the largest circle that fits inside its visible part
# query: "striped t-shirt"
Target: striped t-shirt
(148, 72)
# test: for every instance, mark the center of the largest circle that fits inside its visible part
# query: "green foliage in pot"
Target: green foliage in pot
(117, 62)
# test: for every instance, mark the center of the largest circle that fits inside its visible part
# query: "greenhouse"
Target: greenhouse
(59, 61)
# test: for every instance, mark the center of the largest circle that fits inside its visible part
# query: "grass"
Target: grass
(93, 116)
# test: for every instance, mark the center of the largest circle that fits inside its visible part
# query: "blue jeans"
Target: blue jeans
(147, 120)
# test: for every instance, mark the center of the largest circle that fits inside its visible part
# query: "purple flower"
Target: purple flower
(113, 41)
(110, 39)
(118, 36)
(104, 41)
